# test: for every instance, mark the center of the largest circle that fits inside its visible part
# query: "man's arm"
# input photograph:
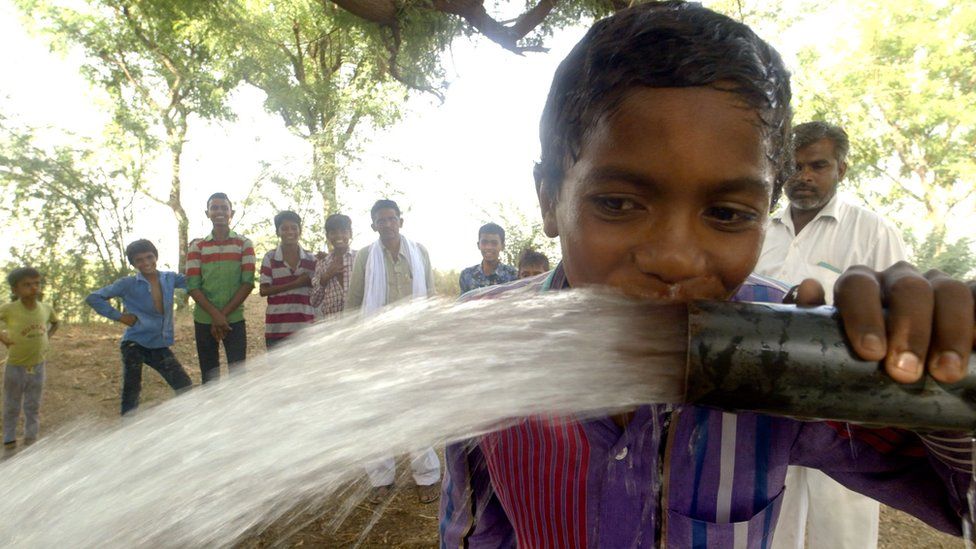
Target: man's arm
(247, 278)
(302, 280)
(428, 271)
(238, 298)
(317, 294)
(98, 299)
(892, 466)
(357, 283)
(4, 337)
(53, 322)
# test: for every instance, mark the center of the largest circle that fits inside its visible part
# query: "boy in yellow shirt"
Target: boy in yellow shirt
(25, 326)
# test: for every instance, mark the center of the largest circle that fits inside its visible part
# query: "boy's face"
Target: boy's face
(528, 269)
(27, 288)
(490, 246)
(339, 240)
(145, 263)
(219, 212)
(289, 232)
(668, 199)
(387, 223)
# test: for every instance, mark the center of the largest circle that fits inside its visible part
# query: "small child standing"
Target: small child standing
(25, 326)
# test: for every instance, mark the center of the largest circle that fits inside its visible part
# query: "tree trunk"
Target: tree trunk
(176, 137)
(325, 174)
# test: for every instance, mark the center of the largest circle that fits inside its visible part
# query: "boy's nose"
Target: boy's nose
(675, 255)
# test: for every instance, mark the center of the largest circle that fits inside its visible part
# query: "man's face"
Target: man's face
(817, 174)
(339, 240)
(527, 270)
(289, 232)
(387, 223)
(668, 199)
(27, 288)
(219, 212)
(145, 263)
(490, 246)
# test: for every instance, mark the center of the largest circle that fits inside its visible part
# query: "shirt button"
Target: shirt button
(621, 454)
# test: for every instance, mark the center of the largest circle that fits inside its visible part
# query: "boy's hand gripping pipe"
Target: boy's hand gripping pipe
(788, 361)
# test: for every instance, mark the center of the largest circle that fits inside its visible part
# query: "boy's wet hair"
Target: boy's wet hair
(287, 215)
(532, 257)
(670, 44)
(338, 222)
(492, 228)
(20, 273)
(382, 205)
(137, 247)
(222, 196)
(809, 133)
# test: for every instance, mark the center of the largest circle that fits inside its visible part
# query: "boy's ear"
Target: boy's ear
(548, 197)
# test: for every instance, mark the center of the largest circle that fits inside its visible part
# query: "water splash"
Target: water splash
(230, 458)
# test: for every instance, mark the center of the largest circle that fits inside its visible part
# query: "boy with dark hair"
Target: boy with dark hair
(663, 143)
(25, 326)
(147, 299)
(330, 283)
(219, 277)
(532, 263)
(491, 271)
(286, 274)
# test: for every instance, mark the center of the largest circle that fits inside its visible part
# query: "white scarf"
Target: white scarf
(374, 296)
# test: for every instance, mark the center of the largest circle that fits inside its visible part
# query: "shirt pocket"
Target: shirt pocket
(754, 533)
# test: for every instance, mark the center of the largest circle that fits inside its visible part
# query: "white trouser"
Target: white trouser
(425, 465)
(837, 517)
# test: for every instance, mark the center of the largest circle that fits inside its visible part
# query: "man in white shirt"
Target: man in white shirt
(819, 235)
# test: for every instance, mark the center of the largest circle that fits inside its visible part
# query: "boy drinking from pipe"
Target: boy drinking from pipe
(664, 143)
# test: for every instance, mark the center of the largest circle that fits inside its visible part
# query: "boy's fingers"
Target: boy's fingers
(857, 296)
(910, 301)
(952, 335)
(810, 294)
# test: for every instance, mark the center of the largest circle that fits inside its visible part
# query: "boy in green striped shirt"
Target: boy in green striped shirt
(219, 277)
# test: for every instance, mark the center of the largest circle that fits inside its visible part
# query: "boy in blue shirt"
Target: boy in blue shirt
(147, 299)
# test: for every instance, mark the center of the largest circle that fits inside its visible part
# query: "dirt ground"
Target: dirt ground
(84, 380)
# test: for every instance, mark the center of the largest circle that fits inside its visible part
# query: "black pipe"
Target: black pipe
(788, 361)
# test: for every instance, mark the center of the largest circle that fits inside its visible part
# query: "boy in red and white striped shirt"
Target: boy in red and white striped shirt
(286, 278)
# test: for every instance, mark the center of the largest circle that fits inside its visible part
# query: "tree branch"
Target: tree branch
(394, 68)
(508, 37)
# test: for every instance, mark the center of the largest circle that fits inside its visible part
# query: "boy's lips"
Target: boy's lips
(682, 292)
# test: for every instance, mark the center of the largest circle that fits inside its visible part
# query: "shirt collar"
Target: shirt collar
(302, 254)
(230, 235)
(830, 209)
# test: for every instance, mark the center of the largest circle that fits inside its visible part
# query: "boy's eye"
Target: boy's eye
(615, 204)
(729, 217)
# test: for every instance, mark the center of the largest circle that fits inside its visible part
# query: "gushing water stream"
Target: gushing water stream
(223, 460)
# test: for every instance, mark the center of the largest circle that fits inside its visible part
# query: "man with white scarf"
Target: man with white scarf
(389, 270)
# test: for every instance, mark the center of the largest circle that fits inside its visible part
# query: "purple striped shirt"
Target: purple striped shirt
(679, 476)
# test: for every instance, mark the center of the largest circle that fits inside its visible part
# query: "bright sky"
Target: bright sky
(447, 163)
